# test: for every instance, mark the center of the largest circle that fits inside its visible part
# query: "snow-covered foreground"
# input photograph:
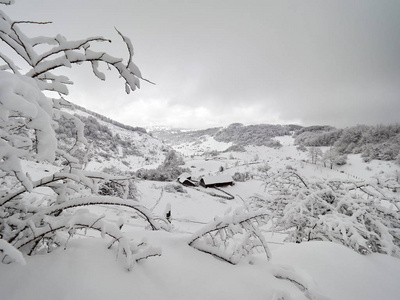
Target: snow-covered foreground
(86, 269)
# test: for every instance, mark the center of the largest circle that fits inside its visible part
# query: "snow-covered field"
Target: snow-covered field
(86, 269)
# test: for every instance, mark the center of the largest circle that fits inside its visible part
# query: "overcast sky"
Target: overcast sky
(334, 62)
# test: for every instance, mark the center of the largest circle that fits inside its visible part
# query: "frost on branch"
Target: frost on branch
(61, 53)
(233, 237)
(363, 216)
(26, 127)
(32, 221)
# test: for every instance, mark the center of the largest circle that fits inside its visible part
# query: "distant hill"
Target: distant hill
(236, 133)
(123, 147)
(372, 142)
(128, 149)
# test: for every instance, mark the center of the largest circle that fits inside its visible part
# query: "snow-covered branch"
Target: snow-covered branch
(234, 236)
(28, 120)
(354, 214)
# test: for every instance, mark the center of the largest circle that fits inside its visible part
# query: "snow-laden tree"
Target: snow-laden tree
(363, 216)
(314, 153)
(332, 157)
(30, 224)
(234, 237)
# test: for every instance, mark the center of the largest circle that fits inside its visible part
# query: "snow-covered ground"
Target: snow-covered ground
(86, 269)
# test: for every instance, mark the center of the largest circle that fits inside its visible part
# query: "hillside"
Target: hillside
(324, 270)
(125, 148)
(236, 133)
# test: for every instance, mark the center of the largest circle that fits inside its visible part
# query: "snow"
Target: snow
(207, 144)
(342, 273)
(86, 269)
(181, 273)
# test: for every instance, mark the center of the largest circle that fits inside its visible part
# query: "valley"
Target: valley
(324, 270)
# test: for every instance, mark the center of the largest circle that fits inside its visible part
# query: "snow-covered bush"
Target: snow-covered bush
(234, 237)
(169, 170)
(332, 157)
(30, 223)
(301, 148)
(350, 213)
(242, 176)
(174, 188)
(237, 237)
(383, 151)
(235, 148)
(118, 188)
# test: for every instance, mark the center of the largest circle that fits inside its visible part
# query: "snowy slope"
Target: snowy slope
(86, 269)
(144, 151)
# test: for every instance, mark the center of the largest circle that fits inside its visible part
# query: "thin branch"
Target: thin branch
(70, 47)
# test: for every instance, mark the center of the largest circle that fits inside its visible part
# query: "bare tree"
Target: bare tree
(315, 154)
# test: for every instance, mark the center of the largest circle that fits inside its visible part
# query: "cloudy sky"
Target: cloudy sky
(309, 62)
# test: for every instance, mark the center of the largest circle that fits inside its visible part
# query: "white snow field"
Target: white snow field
(86, 269)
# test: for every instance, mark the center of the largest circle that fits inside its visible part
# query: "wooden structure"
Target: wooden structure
(186, 180)
(220, 180)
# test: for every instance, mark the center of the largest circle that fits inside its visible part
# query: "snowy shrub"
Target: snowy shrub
(332, 157)
(290, 168)
(174, 188)
(382, 151)
(118, 187)
(30, 223)
(169, 170)
(301, 148)
(345, 212)
(272, 144)
(212, 153)
(237, 237)
(235, 148)
(242, 176)
(172, 159)
(234, 237)
(161, 174)
(264, 168)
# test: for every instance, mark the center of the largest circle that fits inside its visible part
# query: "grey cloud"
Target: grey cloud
(318, 62)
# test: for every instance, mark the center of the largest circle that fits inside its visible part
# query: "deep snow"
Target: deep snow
(86, 269)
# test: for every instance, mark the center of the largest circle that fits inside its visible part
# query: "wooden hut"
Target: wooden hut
(186, 179)
(216, 180)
